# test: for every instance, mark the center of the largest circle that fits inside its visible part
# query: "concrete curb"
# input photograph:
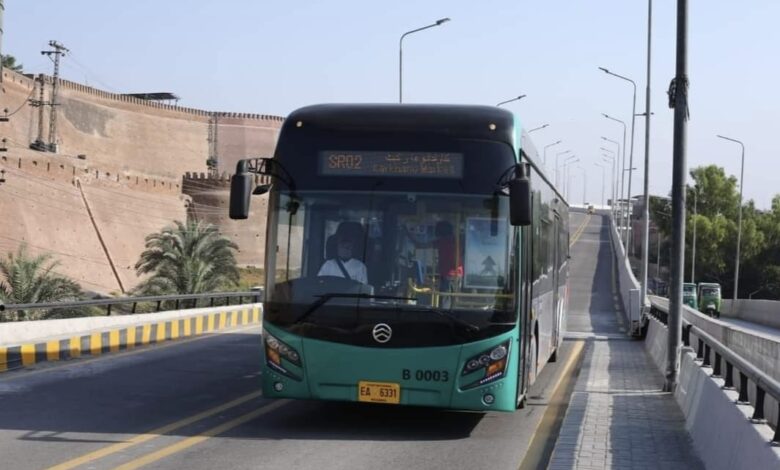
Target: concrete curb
(104, 340)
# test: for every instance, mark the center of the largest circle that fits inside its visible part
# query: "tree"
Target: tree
(187, 259)
(9, 62)
(31, 279)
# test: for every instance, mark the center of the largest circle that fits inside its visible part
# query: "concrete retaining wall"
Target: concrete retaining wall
(626, 283)
(763, 351)
(763, 312)
(722, 433)
(23, 344)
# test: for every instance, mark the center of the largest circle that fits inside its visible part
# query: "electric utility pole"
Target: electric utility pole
(59, 51)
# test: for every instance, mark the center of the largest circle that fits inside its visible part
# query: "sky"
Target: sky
(273, 57)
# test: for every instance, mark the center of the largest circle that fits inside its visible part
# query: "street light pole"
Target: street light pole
(401, 55)
(538, 128)
(623, 165)
(544, 152)
(693, 249)
(566, 164)
(611, 159)
(646, 185)
(513, 99)
(557, 165)
(631, 153)
(739, 229)
(603, 177)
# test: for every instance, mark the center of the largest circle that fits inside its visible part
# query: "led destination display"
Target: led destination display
(404, 164)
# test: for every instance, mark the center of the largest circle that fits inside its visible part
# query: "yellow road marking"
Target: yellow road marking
(75, 347)
(160, 332)
(53, 350)
(579, 231)
(175, 329)
(167, 344)
(146, 334)
(191, 441)
(113, 340)
(95, 344)
(556, 407)
(141, 438)
(130, 337)
(3, 359)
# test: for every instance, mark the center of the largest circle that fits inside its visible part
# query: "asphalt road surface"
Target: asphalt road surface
(197, 404)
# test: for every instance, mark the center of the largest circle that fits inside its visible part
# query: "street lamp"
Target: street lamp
(584, 184)
(513, 99)
(633, 118)
(623, 165)
(739, 230)
(544, 152)
(566, 164)
(538, 128)
(557, 164)
(603, 178)
(401, 55)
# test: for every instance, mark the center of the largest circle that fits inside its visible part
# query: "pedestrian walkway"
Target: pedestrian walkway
(619, 417)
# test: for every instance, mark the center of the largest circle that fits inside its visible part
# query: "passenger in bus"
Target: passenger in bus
(343, 263)
(448, 267)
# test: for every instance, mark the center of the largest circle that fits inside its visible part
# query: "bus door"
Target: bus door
(556, 273)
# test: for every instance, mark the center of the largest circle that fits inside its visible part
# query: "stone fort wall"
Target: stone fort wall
(120, 173)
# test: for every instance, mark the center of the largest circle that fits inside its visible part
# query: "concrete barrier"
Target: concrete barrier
(24, 344)
(627, 284)
(722, 433)
(762, 312)
(761, 350)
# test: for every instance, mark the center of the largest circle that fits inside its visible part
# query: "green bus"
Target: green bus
(415, 255)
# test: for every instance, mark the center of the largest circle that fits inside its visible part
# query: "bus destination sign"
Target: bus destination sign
(403, 164)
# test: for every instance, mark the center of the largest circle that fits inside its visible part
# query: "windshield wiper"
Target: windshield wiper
(322, 299)
(469, 327)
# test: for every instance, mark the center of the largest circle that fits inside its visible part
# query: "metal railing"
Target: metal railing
(723, 355)
(183, 301)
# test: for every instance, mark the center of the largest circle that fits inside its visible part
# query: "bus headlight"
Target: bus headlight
(492, 361)
(276, 350)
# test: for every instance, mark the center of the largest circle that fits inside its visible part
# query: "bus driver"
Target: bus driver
(348, 238)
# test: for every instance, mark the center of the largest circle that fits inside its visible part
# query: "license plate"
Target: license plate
(379, 392)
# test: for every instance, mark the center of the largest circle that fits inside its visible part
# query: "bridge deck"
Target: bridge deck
(618, 416)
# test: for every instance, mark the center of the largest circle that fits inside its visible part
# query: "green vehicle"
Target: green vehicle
(415, 255)
(709, 298)
(689, 295)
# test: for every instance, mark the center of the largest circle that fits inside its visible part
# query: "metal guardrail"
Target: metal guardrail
(178, 300)
(706, 346)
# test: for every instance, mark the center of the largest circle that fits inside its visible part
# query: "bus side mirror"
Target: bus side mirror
(520, 201)
(240, 192)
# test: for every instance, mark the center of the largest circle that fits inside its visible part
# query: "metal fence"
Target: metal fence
(150, 303)
(707, 346)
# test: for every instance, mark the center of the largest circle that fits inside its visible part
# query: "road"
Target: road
(196, 404)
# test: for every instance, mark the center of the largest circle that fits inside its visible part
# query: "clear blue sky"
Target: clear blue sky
(271, 57)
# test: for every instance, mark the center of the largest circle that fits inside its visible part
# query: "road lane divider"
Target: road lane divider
(104, 341)
(191, 441)
(579, 231)
(157, 432)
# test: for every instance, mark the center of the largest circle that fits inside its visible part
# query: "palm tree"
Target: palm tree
(187, 259)
(9, 62)
(30, 279)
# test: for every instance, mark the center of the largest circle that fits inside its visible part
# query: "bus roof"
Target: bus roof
(469, 121)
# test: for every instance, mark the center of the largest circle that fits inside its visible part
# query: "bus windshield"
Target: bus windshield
(336, 255)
